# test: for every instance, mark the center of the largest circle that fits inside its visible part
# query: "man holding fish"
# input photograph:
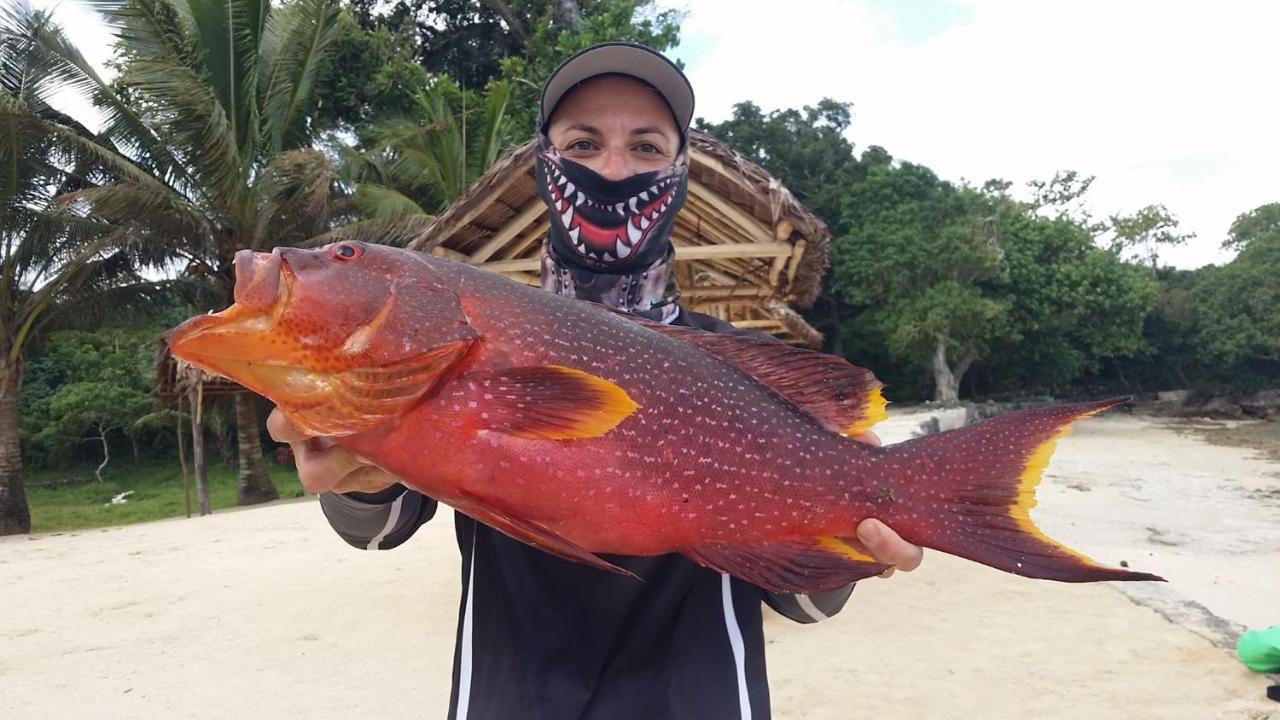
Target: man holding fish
(540, 636)
(688, 475)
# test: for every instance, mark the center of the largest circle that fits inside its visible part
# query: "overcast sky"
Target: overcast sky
(1165, 102)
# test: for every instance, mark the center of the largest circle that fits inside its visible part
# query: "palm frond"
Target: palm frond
(380, 202)
(296, 191)
(397, 231)
(495, 133)
(50, 56)
(162, 67)
(228, 32)
(297, 37)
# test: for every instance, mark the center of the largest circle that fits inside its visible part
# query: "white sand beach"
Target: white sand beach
(265, 613)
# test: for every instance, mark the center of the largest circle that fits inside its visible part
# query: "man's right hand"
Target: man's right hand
(324, 466)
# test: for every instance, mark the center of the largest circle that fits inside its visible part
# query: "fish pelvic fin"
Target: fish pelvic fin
(791, 565)
(973, 489)
(553, 402)
(533, 534)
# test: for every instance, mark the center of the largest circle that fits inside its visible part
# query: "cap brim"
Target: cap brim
(626, 59)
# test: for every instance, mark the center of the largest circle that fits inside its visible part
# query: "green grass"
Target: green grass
(157, 494)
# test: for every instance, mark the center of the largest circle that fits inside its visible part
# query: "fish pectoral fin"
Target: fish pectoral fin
(793, 565)
(553, 402)
(841, 397)
(531, 533)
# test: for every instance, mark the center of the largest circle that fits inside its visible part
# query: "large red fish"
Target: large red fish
(581, 431)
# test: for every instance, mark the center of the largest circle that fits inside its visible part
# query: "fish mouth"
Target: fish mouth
(607, 234)
(240, 343)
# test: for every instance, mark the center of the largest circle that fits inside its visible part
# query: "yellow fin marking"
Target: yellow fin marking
(1029, 480)
(844, 549)
(873, 412)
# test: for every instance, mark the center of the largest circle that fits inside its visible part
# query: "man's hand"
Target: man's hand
(880, 541)
(326, 467)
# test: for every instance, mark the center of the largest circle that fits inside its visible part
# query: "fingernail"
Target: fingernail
(868, 533)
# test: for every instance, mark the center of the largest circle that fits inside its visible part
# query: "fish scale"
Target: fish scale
(582, 431)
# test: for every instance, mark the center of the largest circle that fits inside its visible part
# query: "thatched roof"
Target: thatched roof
(175, 378)
(745, 247)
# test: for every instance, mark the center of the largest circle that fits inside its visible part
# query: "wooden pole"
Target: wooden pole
(197, 450)
(182, 460)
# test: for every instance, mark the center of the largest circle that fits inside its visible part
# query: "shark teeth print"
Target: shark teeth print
(634, 233)
(638, 214)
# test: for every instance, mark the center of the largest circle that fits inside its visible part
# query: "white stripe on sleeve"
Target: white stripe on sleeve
(806, 604)
(392, 518)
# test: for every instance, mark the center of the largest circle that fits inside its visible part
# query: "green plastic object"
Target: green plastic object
(1259, 650)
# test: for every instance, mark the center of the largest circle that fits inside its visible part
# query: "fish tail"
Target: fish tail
(969, 492)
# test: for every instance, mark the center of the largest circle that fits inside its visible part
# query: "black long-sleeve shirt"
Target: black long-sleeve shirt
(541, 638)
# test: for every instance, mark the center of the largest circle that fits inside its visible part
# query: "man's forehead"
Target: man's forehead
(585, 100)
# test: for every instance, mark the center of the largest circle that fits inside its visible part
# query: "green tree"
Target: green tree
(99, 408)
(1140, 236)
(808, 152)
(368, 74)
(914, 261)
(1072, 306)
(224, 90)
(806, 149)
(1238, 323)
(88, 386)
(422, 162)
(522, 41)
(57, 268)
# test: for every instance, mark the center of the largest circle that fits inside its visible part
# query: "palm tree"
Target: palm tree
(211, 152)
(222, 160)
(57, 267)
(419, 164)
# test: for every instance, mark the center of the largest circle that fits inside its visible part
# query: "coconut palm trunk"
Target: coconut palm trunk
(255, 485)
(15, 518)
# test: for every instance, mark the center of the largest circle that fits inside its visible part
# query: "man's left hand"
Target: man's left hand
(880, 541)
(883, 544)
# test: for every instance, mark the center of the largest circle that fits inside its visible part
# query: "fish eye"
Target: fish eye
(346, 251)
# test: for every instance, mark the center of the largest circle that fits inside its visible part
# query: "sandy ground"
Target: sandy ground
(264, 613)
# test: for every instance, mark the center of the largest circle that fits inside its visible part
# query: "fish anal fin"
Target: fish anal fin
(533, 534)
(842, 397)
(793, 565)
(553, 402)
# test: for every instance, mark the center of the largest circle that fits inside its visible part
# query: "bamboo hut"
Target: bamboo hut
(746, 249)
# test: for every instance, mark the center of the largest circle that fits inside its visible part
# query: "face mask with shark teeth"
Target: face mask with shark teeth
(610, 240)
(611, 226)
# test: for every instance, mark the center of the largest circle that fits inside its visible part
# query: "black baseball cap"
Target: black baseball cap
(621, 58)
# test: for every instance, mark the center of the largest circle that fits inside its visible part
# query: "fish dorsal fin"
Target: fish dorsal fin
(844, 398)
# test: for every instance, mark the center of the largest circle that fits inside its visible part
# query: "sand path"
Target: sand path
(264, 613)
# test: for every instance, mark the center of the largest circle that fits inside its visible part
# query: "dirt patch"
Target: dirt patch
(1260, 435)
